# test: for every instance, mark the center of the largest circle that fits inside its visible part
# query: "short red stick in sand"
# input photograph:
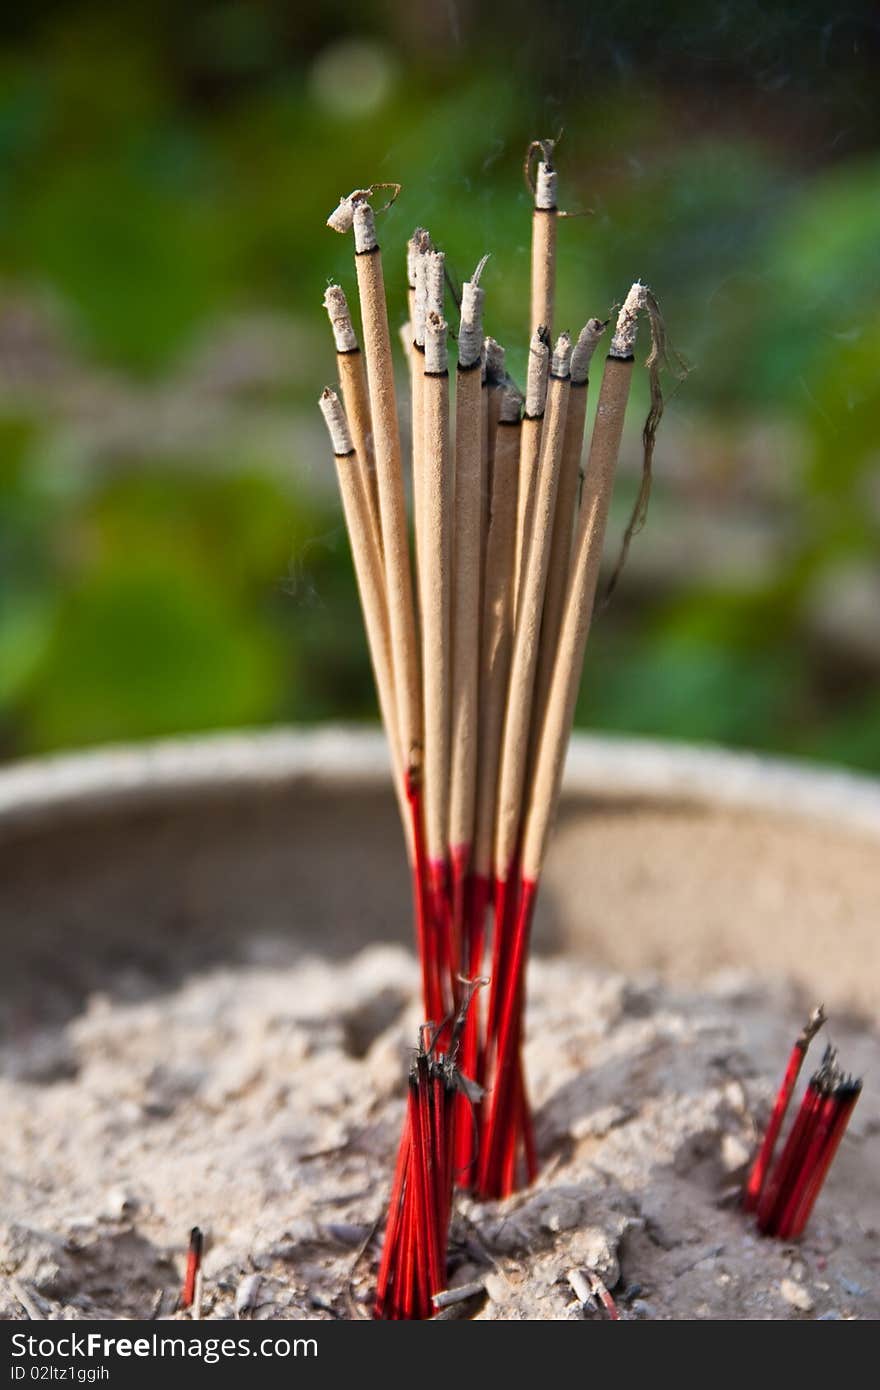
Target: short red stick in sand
(784, 1196)
(413, 1264)
(758, 1176)
(193, 1267)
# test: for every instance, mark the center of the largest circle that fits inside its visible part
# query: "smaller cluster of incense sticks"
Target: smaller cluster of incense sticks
(413, 1265)
(783, 1195)
(190, 1293)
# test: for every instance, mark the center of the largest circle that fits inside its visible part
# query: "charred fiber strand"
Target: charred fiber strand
(662, 356)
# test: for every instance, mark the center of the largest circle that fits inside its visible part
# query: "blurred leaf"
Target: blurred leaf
(141, 652)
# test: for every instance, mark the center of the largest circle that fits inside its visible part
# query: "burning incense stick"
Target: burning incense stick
(467, 545)
(544, 226)
(417, 252)
(355, 393)
(386, 443)
(586, 557)
(566, 506)
(514, 756)
(436, 592)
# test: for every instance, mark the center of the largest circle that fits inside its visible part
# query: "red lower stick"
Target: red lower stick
(505, 1125)
(193, 1267)
(426, 935)
(844, 1099)
(467, 1110)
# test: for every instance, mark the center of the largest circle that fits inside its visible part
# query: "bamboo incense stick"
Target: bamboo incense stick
(544, 227)
(370, 580)
(528, 620)
(497, 634)
(436, 594)
(530, 447)
(419, 246)
(566, 506)
(497, 1158)
(466, 591)
(586, 558)
(508, 1115)
(386, 443)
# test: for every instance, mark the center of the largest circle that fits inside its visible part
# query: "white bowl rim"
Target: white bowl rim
(124, 777)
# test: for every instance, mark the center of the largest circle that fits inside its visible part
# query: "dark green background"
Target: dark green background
(171, 550)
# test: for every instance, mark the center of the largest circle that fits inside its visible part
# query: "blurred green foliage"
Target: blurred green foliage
(161, 175)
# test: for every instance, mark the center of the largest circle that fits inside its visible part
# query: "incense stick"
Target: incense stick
(507, 1123)
(530, 447)
(386, 443)
(586, 558)
(513, 763)
(497, 635)
(528, 618)
(466, 594)
(436, 591)
(544, 226)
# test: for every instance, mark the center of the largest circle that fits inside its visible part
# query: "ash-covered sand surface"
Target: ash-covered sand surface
(263, 1103)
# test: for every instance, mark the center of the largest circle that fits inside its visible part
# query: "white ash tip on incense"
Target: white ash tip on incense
(511, 403)
(337, 424)
(582, 352)
(336, 305)
(494, 355)
(420, 283)
(436, 346)
(364, 227)
(470, 326)
(536, 373)
(624, 341)
(546, 187)
(561, 364)
(341, 218)
(435, 280)
(418, 244)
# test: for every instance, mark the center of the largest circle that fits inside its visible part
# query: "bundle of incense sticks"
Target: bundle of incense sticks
(783, 1196)
(477, 659)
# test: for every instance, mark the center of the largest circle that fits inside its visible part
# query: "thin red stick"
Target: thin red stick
(845, 1099)
(777, 1190)
(193, 1265)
